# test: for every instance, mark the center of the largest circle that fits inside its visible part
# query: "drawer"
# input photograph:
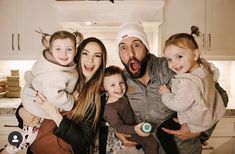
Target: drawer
(10, 121)
(220, 145)
(225, 127)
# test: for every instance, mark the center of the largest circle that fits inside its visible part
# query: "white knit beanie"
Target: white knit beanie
(132, 30)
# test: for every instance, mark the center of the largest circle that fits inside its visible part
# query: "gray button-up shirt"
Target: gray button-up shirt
(146, 100)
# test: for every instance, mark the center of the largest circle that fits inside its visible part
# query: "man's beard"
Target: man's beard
(143, 67)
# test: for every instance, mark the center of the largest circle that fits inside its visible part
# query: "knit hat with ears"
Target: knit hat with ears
(132, 30)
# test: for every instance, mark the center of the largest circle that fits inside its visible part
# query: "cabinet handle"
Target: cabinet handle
(12, 42)
(18, 41)
(203, 41)
(208, 148)
(209, 42)
(6, 125)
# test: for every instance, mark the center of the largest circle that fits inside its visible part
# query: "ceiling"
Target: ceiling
(106, 12)
(103, 26)
(107, 0)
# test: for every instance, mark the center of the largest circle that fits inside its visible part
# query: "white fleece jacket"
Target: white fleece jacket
(194, 97)
(55, 82)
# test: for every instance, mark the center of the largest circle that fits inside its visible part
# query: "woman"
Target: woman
(74, 131)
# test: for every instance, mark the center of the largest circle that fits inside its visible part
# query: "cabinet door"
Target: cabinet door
(8, 124)
(225, 127)
(220, 25)
(220, 145)
(215, 19)
(19, 19)
(34, 15)
(222, 139)
(5, 122)
(180, 15)
(8, 23)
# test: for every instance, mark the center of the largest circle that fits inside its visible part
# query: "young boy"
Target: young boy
(119, 114)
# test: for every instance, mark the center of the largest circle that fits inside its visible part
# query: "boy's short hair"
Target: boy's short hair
(112, 70)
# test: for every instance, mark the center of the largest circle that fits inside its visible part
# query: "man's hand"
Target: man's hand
(125, 142)
(183, 133)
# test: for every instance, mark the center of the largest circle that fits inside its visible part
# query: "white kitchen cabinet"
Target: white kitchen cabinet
(19, 19)
(8, 23)
(215, 19)
(8, 124)
(220, 145)
(222, 139)
(220, 25)
(179, 16)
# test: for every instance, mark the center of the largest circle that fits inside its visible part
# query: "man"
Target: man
(145, 73)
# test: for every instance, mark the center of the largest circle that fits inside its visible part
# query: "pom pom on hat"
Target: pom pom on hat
(132, 30)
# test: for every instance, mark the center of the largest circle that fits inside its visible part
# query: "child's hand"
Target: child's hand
(205, 143)
(75, 94)
(163, 89)
(139, 131)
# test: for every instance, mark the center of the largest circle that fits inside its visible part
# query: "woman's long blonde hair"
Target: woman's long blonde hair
(89, 97)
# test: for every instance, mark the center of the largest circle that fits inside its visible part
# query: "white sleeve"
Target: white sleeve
(215, 71)
(182, 99)
(55, 92)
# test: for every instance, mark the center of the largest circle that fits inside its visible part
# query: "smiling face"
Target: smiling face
(181, 60)
(133, 54)
(90, 59)
(115, 86)
(63, 50)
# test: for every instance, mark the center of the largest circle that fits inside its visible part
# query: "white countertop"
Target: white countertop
(9, 102)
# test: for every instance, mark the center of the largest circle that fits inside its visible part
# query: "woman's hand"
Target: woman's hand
(28, 118)
(125, 142)
(51, 110)
(183, 133)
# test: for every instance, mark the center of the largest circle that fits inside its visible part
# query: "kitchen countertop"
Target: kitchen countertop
(15, 102)
(9, 102)
(229, 113)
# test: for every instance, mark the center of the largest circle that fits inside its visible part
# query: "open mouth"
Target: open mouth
(178, 68)
(134, 66)
(119, 92)
(89, 68)
(64, 59)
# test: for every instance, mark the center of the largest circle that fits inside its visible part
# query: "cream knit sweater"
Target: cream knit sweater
(55, 82)
(195, 99)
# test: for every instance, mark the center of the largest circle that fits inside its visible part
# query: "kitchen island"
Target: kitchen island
(8, 121)
(222, 140)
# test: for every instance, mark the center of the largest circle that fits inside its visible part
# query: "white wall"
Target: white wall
(21, 65)
(226, 79)
(106, 32)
